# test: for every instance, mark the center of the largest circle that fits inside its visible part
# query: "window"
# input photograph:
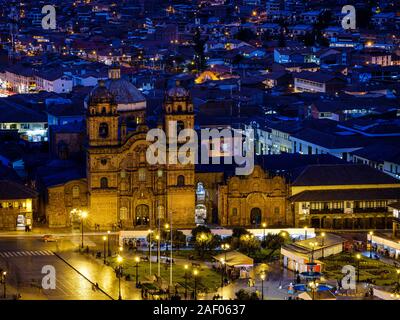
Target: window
(103, 130)
(234, 212)
(123, 213)
(75, 192)
(180, 181)
(142, 174)
(276, 210)
(103, 183)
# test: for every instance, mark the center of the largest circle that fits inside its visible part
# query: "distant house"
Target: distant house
(344, 196)
(17, 205)
(318, 82)
(300, 30)
(54, 81)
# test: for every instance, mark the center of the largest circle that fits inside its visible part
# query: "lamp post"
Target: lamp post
(370, 244)
(83, 215)
(358, 256)
(4, 277)
(313, 286)
(104, 249)
(262, 285)
(264, 225)
(186, 276)
(195, 273)
(150, 232)
(305, 232)
(137, 260)
(108, 243)
(225, 247)
(322, 243)
(158, 254)
(222, 271)
(169, 228)
(119, 260)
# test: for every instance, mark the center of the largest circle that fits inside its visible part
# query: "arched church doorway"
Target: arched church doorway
(201, 208)
(142, 215)
(255, 216)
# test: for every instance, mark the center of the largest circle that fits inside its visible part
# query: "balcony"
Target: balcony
(369, 210)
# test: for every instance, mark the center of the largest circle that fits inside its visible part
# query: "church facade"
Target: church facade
(123, 189)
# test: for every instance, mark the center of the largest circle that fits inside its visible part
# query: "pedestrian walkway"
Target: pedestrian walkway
(10, 254)
(105, 276)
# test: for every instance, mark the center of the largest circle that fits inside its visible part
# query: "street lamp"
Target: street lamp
(158, 254)
(108, 243)
(305, 232)
(104, 249)
(222, 271)
(322, 243)
(195, 273)
(358, 256)
(370, 244)
(4, 276)
(83, 215)
(137, 260)
(313, 286)
(119, 260)
(186, 276)
(262, 285)
(150, 232)
(169, 227)
(264, 225)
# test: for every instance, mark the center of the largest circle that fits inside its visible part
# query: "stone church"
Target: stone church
(122, 189)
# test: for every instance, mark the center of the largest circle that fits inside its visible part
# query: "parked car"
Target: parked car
(49, 238)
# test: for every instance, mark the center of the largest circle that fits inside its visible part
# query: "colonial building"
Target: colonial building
(17, 205)
(343, 196)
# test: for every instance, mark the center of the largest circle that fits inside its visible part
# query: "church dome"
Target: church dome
(100, 94)
(177, 92)
(124, 91)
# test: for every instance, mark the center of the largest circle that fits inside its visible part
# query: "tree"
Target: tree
(249, 243)
(245, 295)
(237, 232)
(273, 242)
(199, 49)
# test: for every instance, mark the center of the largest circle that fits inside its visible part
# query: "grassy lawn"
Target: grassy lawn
(381, 273)
(208, 280)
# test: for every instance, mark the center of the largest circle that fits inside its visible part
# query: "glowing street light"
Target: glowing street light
(186, 276)
(119, 261)
(358, 257)
(150, 233)
(83, 215)
(264, 225)
(108, 243)
(262, 276)
(158, 254)
(313, 286)
(137, 260)
(195, 274)
(370, 244)
(104, 249)
(3, 278)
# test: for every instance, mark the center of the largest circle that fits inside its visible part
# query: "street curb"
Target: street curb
(71, 266)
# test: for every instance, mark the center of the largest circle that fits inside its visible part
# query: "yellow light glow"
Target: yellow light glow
(137, 259)
(264, 225)
(358, 256)
(323, 234)
(104, 238)
(195, 272)
(119, 259)
(186, 266)
(84, 214)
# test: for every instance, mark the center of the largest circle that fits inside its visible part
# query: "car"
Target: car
(49, 238)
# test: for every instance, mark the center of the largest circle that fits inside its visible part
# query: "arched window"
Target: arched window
(142, 174)
(103, 110)
(75, 192)
(180, 181)
(103, 183)
(103, 130)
